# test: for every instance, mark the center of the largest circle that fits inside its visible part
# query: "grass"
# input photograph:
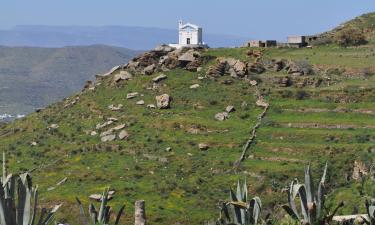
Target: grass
(185, 184)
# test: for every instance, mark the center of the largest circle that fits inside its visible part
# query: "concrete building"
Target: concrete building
(261, 44)
(297, 41)
(189, 35)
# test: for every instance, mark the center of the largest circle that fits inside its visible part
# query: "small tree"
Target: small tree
(350, 37)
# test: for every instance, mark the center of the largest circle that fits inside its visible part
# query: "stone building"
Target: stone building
(261, 44)
(297, 41)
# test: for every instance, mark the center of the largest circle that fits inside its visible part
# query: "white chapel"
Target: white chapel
(189, 35)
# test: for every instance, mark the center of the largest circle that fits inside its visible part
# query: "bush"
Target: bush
(350, 37)
(300, 95)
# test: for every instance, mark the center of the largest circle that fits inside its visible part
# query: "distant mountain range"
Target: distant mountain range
(34, 77)
(139, 38)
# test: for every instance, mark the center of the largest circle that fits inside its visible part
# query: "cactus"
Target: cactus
(102, 216)
(312, 203)
(240, 210)
(16, 196)
(370, 206)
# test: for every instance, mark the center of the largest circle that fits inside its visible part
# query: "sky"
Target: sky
(271, 19)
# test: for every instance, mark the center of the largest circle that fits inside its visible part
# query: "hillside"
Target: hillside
(324, 112)
(123, 36)
(35, 77)
(365, 23)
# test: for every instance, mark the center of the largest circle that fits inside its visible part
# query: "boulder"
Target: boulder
(123, 135)
(114, 69)
(108, 138)
(115, 108)
(256, 68)
(164, 48)
(132, 95)
(230, 108)
(119, 127)
(123, 75)
(222, 116)
(149, 69)
(140, 102)
(217, 70)
(105, 124)
(194, 86)
(203, 146)
(159, 78)
(262, 103)
(163, 101)
(189, 56)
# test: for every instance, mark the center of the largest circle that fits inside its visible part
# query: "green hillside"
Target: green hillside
(325, 115)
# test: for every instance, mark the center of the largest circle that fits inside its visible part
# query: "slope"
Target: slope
(325, 116)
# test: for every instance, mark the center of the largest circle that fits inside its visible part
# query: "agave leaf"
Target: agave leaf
(103, 204)
(256, 205)
(290, 212)
(119, 214)
(2, 208)
(93, 214)
(35, 206)
(309, 184)
(232, 196)
(239, 192)
(82, 212)
(42, 215)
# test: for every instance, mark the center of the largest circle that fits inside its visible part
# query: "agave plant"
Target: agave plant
(101, 217)
(311, 201)
(16, 197)
(240, 210)
(370, 206)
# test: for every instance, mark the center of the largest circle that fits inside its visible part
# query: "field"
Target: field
(333, 123)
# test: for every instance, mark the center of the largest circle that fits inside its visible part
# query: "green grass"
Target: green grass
(184, 185)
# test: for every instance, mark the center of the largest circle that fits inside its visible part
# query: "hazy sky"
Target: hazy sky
(249, 18)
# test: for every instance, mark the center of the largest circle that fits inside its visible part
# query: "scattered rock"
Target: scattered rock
(200, 78)
(100, 126)
(217, 70)
(230, 108)
(285, 82)
(93, 133)
(98, 197)
(123, 135)
(108, 138)
(33, 143)
(159, 78)
(163, 101)
(359, 170)
(119, 127)
(222, 116)
(164, 48)
(123, 75)
(140, 102)
(149, 69)
(203, 146)
(151, 106)
(253, 83)
(256, 68)
(53, 126)
(189, 56)
(168, 149)
(194, 86)
(262, 103)
(132, 95)
(115, 108)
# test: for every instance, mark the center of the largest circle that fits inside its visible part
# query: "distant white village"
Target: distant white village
(191, 35)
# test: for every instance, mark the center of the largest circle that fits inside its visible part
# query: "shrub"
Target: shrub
(350, 37)
(301, 94)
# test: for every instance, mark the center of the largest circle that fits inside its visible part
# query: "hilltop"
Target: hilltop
(35, 77)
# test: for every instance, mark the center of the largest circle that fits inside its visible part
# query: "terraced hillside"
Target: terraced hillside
(325, 112)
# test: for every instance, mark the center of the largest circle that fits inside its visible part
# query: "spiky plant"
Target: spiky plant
(370, 206)
(311, 201)
(240, 210)
(16, 197)
(101, 217)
